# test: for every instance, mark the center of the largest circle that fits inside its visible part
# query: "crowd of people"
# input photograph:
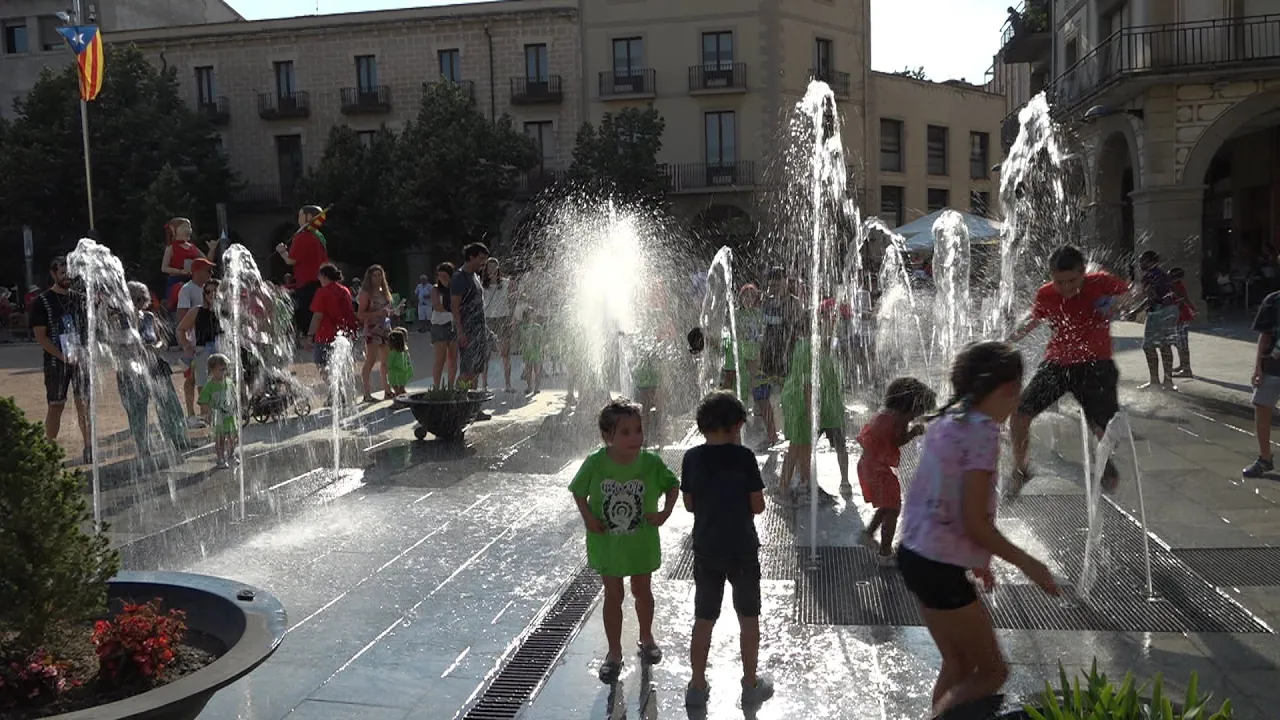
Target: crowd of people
(948, 535)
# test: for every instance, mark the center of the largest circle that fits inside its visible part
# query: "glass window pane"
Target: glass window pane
(726, 50)
(713, 137)
(728, 138)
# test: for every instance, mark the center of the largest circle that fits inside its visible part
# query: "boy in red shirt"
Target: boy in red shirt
(1079, 306)
(331, 313)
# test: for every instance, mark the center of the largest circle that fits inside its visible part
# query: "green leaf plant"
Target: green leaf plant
(1098, 699)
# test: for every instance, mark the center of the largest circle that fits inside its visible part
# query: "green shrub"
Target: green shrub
(51, 570)
(1100, 700)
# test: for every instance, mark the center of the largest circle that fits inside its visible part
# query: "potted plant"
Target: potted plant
(1099, 699)
(80, 640)
(445, 412)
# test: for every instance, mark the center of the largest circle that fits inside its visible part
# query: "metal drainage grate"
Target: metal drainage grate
(525, 669)
(849, 589)
(1234, 567)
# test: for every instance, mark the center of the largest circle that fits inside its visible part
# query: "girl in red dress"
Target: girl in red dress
(1186, 313)
(905, 401)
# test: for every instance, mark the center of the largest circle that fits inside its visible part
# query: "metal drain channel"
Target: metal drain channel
(525, 669)
(1234, 567)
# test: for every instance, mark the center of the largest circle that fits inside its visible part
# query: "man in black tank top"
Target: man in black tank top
(59, 322)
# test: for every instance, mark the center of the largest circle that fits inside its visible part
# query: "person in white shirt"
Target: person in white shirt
(497, 314)
(191, 297)
(423, 293)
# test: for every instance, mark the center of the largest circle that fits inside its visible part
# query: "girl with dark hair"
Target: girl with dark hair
(331, 314)
(949, 524)
(444, 337)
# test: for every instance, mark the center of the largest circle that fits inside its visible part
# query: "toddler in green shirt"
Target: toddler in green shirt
(217, 402)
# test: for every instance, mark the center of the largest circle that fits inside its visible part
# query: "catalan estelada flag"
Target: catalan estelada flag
(86, 41)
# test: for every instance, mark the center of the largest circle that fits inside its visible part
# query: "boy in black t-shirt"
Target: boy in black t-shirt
(723, 489)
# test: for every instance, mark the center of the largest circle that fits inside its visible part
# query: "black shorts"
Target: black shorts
(59, 377)
(302, 297)
(938, 586)
(709, 576)
(474, 358)
(1093, 384)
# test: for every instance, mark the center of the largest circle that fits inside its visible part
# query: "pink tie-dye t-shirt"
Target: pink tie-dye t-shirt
(933, 525)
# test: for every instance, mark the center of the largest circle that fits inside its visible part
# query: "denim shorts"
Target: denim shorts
(1267, 394)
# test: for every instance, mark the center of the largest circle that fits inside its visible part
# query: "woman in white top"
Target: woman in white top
(444, 340)
(497, 316)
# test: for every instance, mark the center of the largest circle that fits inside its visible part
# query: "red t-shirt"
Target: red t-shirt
(1081, 325)
(1186, 311)
(308, 255)
(333, 303)
(182, 252)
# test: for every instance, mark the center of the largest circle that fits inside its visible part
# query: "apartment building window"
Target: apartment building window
(891, 145)
(822, 57)
(1071, 53)
(892, 202)
(50, 40)
(717, 50)
(289, 161)
(979, 154)
(206, 90)
(980, 203)
(722, 139)
(285, 85)
(543, 133)
(937, 199)
(367, 73)
(937, 150)
(451, 65)
(628, 57)
(15, 37)
(535, 62)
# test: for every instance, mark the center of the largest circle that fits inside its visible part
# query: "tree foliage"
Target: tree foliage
(137, 126)
(166, 197)
(620, 158)
(356, 181)
(51, 569)
(916, 73)
(455, 171)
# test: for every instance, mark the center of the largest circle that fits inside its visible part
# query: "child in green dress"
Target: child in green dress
(531, 334)
(216, 403)
(750, 335)
(797, 394)
(399, 364)
(617, 490)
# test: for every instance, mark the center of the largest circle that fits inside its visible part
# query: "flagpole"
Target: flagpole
(88, 171)
(84, 128)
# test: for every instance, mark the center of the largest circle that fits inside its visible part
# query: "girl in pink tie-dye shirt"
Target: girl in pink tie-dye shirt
(949, 524)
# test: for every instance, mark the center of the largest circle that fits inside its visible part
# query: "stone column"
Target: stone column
(1168, 219)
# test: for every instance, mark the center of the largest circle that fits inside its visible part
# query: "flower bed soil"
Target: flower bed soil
(196, 651)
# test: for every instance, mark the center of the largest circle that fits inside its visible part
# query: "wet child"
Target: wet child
(721, 485)
(1162, 320)
(949, 524)
(617, 490)
(1186, 313)
(750, 336)
(217, 405)
(905, 400)
(531, 341)
(797, 395)
(399, 364)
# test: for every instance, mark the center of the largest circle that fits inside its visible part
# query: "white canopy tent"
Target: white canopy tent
(919, 232)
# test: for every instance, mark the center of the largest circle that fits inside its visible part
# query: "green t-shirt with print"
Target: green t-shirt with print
(216, 395)
(620, 495)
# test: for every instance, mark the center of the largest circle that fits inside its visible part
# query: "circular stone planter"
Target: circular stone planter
(445, 414)
(249, 623)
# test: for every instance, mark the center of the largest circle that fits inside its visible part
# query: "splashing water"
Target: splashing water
(343, 397)
(714, 311)
(951, 266)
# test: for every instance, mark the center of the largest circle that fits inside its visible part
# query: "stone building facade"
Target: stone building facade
(1176, 104)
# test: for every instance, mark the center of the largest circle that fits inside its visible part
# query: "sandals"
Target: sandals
(610, 670)
(650, 654)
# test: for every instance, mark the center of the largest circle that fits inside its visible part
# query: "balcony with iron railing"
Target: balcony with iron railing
(467, 87)
(836, 80)
(627, 83)
(215, 110)
(537, 180)
(1028, 33)
(366, 100)
(536, 90)
(709, 177)
(715, 78)
(1153, 53)
(283, 105)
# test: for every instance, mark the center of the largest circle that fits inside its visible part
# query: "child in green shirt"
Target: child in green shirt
(399, 364)
(797, 394)
(216, 403)
(617, 490)
(531, 334)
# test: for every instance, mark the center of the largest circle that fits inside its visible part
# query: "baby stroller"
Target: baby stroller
(273, 393)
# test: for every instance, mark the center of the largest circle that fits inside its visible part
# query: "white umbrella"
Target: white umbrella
(919, 232)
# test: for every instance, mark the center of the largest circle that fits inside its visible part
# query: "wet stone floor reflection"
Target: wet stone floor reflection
(412, 580)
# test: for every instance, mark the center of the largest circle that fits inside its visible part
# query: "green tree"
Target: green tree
(916, 73)
(137, 126)
(51, 569)
(620, 158)
(356, 182)
(166, 198)
(456, 172)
